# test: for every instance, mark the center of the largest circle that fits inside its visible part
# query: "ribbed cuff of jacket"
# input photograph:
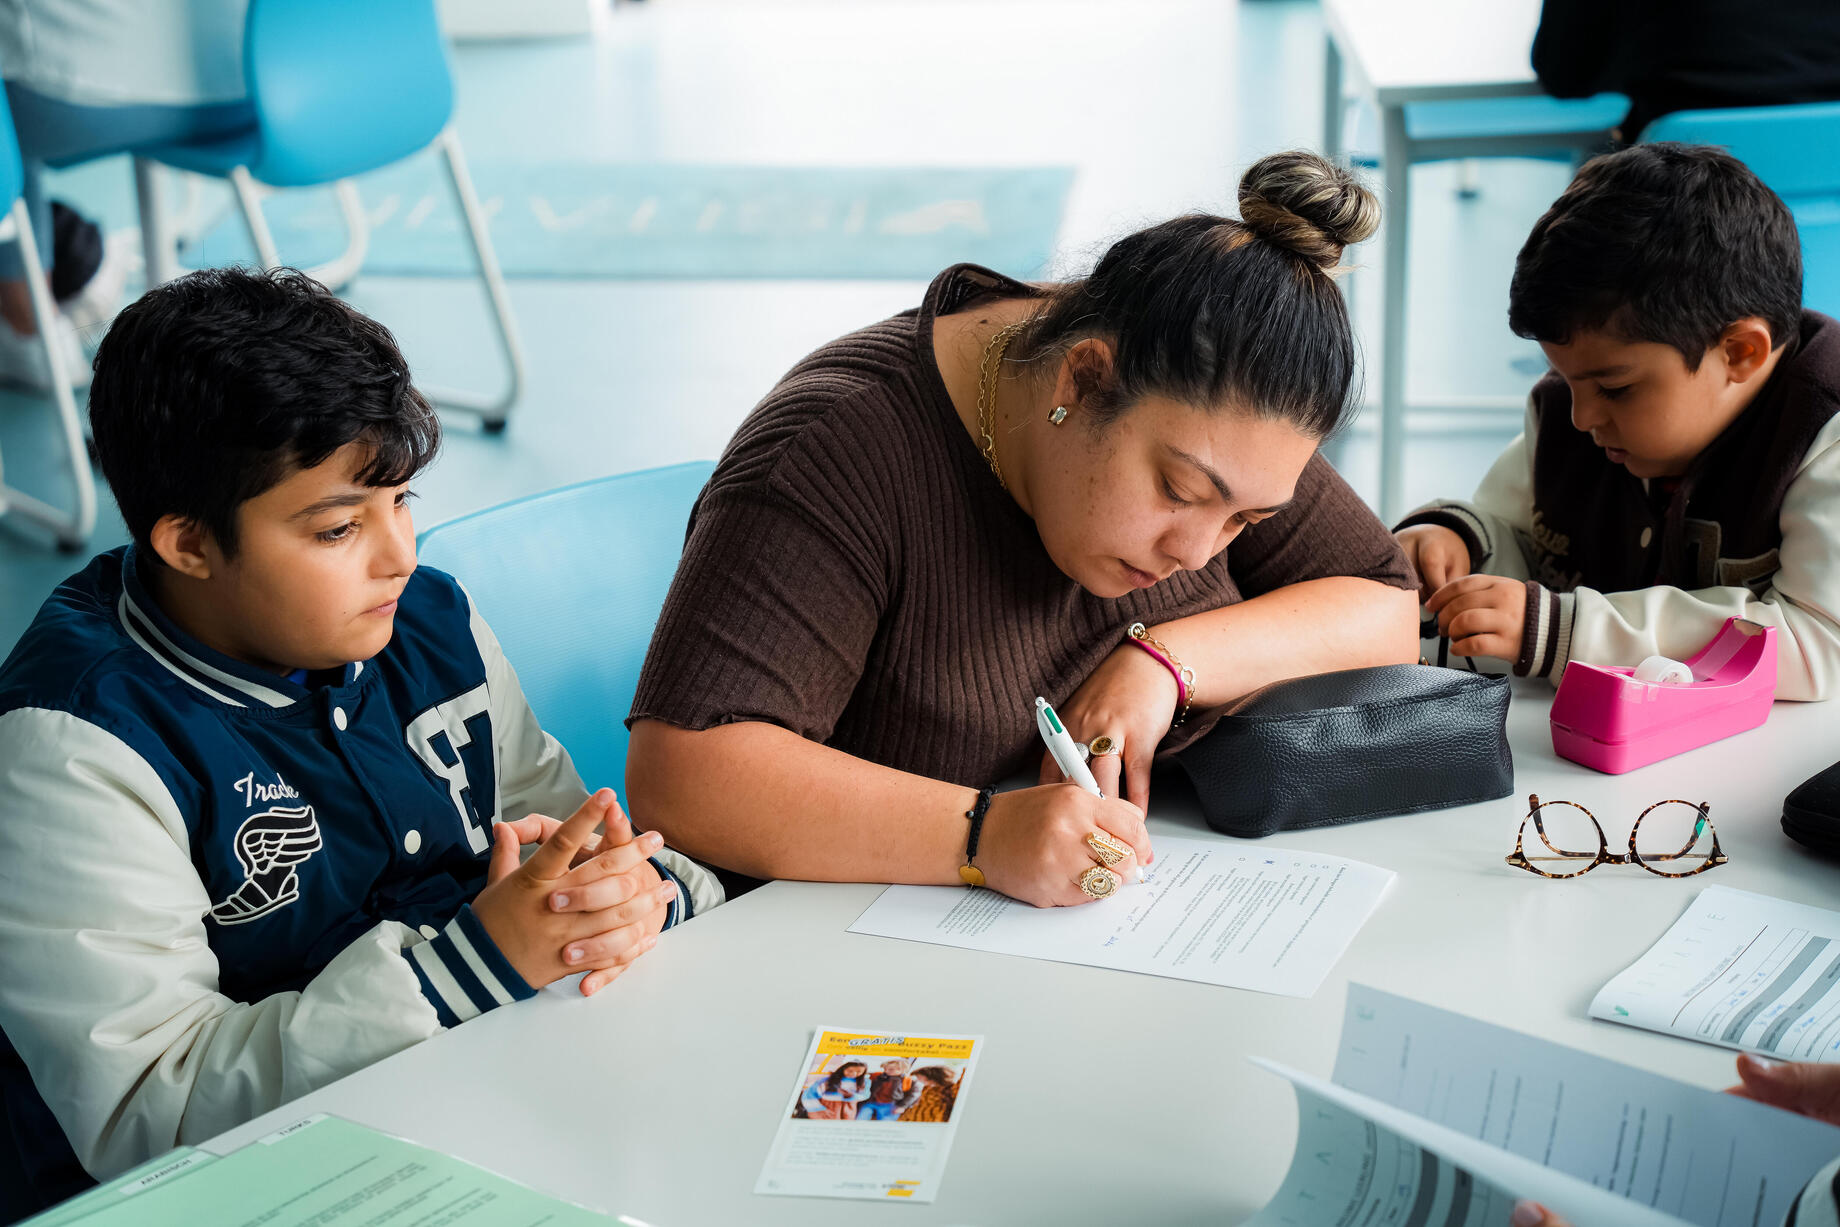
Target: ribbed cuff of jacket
(462, 972)
(682, 907)
(1546, 633)
(1459, 520)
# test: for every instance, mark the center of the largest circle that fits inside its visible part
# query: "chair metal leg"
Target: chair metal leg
(159, 245)
(1333, 105)
(1469, 178)
(338, 273)
(492, 411)
(1396, 156)
(335, 274)
(72, 527)
(249, 199)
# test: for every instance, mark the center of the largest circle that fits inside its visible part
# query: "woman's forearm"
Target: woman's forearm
(761, 800)
(1316, 626)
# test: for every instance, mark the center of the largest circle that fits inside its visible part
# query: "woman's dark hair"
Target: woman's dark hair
(214, 388)
(938, 1075)
(1211, 310)
(834, 1083)
(1666, 243)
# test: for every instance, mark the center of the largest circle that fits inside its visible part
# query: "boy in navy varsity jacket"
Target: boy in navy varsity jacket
(1681, 460)
(263, 783)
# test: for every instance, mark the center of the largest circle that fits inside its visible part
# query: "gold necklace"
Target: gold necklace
(987, 393)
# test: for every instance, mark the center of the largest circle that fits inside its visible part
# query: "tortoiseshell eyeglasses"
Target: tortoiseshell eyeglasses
(1673, 839)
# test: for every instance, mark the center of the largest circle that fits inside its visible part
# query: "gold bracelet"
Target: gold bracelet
(1185, 676)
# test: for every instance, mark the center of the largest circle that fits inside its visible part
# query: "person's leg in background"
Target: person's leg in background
(52, 131)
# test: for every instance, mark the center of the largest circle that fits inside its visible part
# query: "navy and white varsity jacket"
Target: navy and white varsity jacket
(220, 890)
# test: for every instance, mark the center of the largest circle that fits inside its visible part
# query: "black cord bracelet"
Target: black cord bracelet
(968, 873)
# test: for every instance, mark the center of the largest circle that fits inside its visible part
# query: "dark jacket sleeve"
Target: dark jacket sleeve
(1577, 48)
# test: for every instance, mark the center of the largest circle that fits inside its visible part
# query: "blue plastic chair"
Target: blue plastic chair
(572, 582)
(72, 528)
(1794, 149)
(341, 87)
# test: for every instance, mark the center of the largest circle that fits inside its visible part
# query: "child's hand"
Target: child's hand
(621, 872)
(1436, 553)
(1482, 615)
(539, 939)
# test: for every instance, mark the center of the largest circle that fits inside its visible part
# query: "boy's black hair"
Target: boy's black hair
(214, 388)
(1664, 242)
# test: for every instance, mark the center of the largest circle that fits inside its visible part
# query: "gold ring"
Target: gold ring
(1098, 882)
(1103, 745)
(1108, 850)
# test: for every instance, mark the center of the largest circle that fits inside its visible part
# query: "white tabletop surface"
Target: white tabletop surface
(1102, 1096)
(1402, 51)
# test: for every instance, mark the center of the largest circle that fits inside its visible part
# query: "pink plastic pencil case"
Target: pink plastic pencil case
(1606, 719)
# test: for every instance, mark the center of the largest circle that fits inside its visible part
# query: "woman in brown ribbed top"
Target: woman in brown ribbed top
(879, 579)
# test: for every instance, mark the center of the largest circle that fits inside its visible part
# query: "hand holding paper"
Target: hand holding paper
(1794, 1086)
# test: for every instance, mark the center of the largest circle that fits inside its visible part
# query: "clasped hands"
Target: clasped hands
(1481, 615)
(1034, 845)
(581, 902)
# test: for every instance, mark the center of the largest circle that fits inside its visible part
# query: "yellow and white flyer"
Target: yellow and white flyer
(872, 1115)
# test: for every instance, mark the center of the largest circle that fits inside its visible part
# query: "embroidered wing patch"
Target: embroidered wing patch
(268, 846)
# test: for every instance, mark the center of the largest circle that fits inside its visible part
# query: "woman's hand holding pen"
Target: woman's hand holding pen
(1034, 847)
(1132, 699)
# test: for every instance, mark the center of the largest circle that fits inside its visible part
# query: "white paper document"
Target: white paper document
(1739, 970)
(872, 1115)
(1222, 913)
(1434, 1118)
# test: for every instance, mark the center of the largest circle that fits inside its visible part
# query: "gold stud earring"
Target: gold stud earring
(1058, 415)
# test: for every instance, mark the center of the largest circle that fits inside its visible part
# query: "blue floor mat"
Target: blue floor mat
(558, 219)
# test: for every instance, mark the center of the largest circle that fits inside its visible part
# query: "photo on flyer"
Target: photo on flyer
(834, 1139)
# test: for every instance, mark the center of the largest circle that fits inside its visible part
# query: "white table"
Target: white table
(1102, 1096)
(1396, 53)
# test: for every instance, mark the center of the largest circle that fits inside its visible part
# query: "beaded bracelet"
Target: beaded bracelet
(968, 873)
(1159, 652)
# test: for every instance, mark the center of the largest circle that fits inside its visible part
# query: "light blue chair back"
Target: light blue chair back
(1796, 150)
(572, 581)
(341, 87)
(12, 170)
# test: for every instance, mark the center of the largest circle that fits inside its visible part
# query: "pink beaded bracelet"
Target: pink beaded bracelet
(1159, 652)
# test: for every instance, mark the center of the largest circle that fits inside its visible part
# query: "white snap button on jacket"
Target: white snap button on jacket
(412, 842)
(338, 718)
(1648, 534)
(430, 932)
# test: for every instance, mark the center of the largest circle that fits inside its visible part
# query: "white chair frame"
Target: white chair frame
(71, 528)
(160, 247)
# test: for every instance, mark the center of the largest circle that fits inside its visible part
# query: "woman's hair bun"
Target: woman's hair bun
(1305, 203)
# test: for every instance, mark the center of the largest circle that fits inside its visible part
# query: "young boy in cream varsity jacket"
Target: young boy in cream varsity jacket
(1680, 463)
(264, 781)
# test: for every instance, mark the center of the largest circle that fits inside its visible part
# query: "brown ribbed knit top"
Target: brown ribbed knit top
(854, 573)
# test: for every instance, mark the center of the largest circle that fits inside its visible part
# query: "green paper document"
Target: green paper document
(323, 1172)
(168, 1167)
